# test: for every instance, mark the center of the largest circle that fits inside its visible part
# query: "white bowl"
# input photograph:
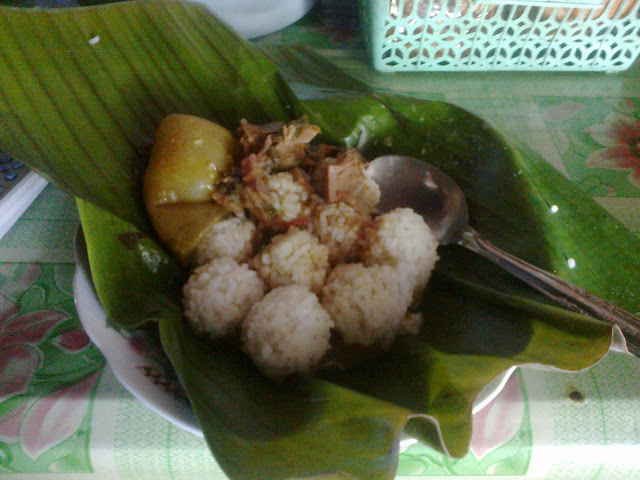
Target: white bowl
(254, 18)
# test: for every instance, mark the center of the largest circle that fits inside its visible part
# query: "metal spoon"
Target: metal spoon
(409, 182)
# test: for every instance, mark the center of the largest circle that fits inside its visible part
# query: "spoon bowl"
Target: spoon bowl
(410, 182)
(406, 181)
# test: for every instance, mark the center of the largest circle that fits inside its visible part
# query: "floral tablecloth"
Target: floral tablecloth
(64, 415)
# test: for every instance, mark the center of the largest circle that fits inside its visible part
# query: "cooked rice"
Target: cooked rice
(284, 184)
(401, 237)
(235, 237)
(219, 294)
(338, 226)
(287, 331)
(367, 304)
(288, 197)
(293, 257)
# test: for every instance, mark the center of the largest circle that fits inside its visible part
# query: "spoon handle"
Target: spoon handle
(569, 296)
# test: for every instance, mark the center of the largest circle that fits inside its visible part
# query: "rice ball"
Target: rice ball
(235, 237)
(287, 331)
(401, 237)
(219, 294)
(338, 226)
(367, 304)
(293, 257)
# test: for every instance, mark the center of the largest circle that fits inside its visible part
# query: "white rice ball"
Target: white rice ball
(338, 226)
(367, 304)
(401, 237)
(293, 257)
(235, 237)
(287, 331)
(219, 294)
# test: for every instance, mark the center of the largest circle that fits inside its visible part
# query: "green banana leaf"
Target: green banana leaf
(83, 93)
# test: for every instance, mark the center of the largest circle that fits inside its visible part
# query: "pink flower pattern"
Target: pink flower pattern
(55, 417)
(37, 422)
(620, 134)
(19, 355)
(563, 111)
(499, 421)
(72, 342)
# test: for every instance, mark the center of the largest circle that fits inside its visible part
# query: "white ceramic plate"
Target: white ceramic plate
(140, 364)
(136, 358)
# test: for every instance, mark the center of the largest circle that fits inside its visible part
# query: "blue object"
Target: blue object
(465, 35)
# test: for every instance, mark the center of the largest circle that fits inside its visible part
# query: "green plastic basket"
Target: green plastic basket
(465, 35)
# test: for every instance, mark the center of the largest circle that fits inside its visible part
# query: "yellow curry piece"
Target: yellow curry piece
(188, 157)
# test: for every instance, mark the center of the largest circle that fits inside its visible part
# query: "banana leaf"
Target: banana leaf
(83, 92)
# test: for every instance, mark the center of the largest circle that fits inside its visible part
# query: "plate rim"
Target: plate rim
(94, 321)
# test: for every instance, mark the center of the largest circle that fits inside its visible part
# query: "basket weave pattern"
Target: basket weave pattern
(420, 35)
